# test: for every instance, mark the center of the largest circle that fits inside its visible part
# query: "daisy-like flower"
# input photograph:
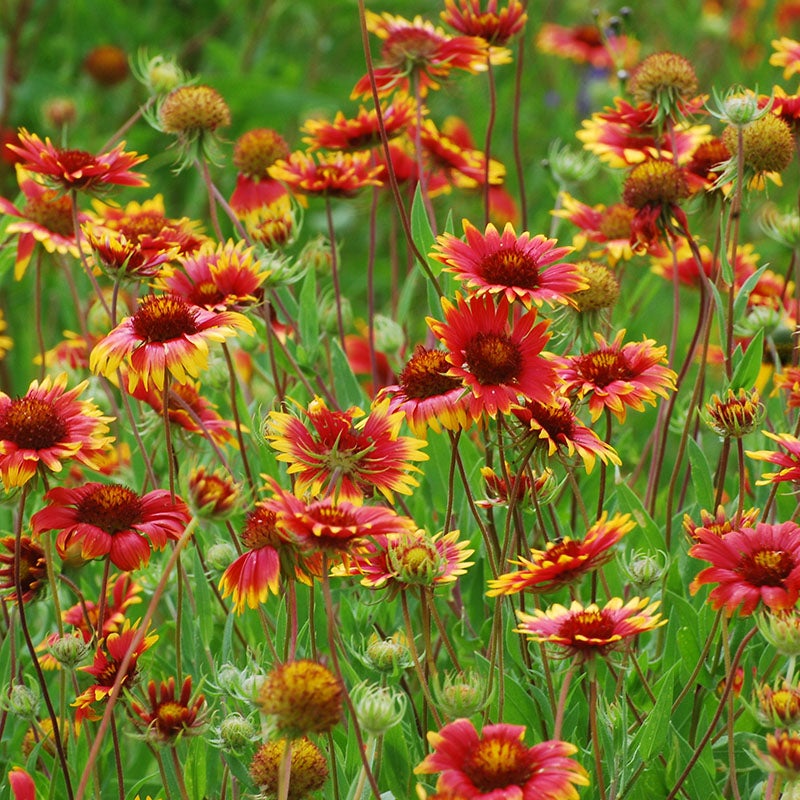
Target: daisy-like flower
(46, 219)
(720, 523)
(308, 769)
(166, 335)
(227, 277)
(788, 461)
(105, 668)
(496, 26)
(565, 561)
(558, 428)
(334, 174)
(496, 764)
(47, 426)
(421, 49)
(786, 55)
(169, 717)
(334, 527)
(32, 569)
(588, 631)
(333, 454)
(779, 706)
(362, 131)
(212, 495)
(619, 375)
(499, 362)
(77, 169)
(788, 381)
(112, 520)
(586, 44)
(783, 755)
(256, 573)
(524, 268)
(524, 486)
(751, 566)
(427, 395)
(117, 255)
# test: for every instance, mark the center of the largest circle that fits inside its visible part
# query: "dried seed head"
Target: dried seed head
(190, 110)
(767, 143)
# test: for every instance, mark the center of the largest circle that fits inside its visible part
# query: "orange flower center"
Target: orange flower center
(111, 508)
(257, 150)
(138, 225)
(616, 220)
(260, 529)
(53, 213)
(604, 367)
(409, 48)
(161, 318)
(557, 421)
(592, 625)
(654, 183)
(497, 764)
(493, 358)
(424, 376)
(73, 162)
(32, 424)
(171, 718)
(766, 567)
(510, 267)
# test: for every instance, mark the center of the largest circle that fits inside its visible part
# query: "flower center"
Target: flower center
(424, 377)
(497, 764)
(557, 421)
(32, 424)
(493, 358)
(615, 222)
(111, 508)
(410, 48)
(767, 567)
(171, 717)
(260, 529)
(161, 318)
(604, 367)
(74, 161)
(144, 224)
(510, 267)
(53, 213)
(588, 625)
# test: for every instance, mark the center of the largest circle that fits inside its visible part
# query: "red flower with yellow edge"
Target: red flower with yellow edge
(330, 453)
(750, 566)
(789, 461)
(270, 224)
(77, 170)
(165, 336)
(32, 569)
(783, 754)
(190, 410)
(720, 523)
(779, 706)
(257, 572)
(684, 263)
(788, 381)
(336, 528)
(212, 495)
(47, 426)
(227, 277)
(421, 49)
(46, 219)
(565, 561)
(169, 717)
(786, 55)
(427, 395)
(497, 27)
(521, 267)
(362, 131)
(587, 44)
(525, 485)
(107, 661)
(611, 227)
(626, 135)
(499, 362)
(119, 256)
(496, 764)
(618, 376)
(401, 560)
(327, 175)
(254, 153)
(112, 520)
(588, 631)
(555, 425)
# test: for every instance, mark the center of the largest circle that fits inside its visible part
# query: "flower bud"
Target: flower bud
(21, 701)
(69, 650)
(220, 556)
(461, 694)
(377, 708)
(388, 655)
(734, 415)
(781, 629)
(644, 570)
(235, 733)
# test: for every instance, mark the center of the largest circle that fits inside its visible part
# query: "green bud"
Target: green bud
(377, 708)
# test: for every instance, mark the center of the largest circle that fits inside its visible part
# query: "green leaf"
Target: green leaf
(654, 731)
(345, 384)
(308, 316)
(630, 502)
(701, 475)
(421, 230)
(746, 372)
(743, 294)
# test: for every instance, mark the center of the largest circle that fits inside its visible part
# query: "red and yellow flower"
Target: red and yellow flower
(333, 454)
(587, 44)
(499, 362)
(788, 461)
(166, 336)
(588, 631)
(168, 716)
(334, 174)
(32, 569)
(47, 426)
(496, 26)
(750, 566)
(112, 520)
(496, 764)
(786, 55)
(565, 561)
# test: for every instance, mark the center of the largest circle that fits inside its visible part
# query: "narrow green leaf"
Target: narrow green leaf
(308, 317)
(421, 230)
(746, 372)
(345, 384)
(653, 734)
(727, 269)
(743, 294)
(701, 475)
(630, 502)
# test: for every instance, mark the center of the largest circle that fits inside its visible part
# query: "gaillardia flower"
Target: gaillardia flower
(786, 55)
(32, 569)
(565, 561)
(788, 462)
(588, 631)
(524, 268)
(494, 25)
(169, 717)
(165, 336)
(334, 174)
(307, 773)
(617, 375)
(77, 169)
(496, 764)
(751, 566)
(48, 425)
(499, 362)
(112, 520)
(335, 455)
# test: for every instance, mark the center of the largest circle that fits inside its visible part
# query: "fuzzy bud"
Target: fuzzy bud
(461, 694)
(377, 708)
